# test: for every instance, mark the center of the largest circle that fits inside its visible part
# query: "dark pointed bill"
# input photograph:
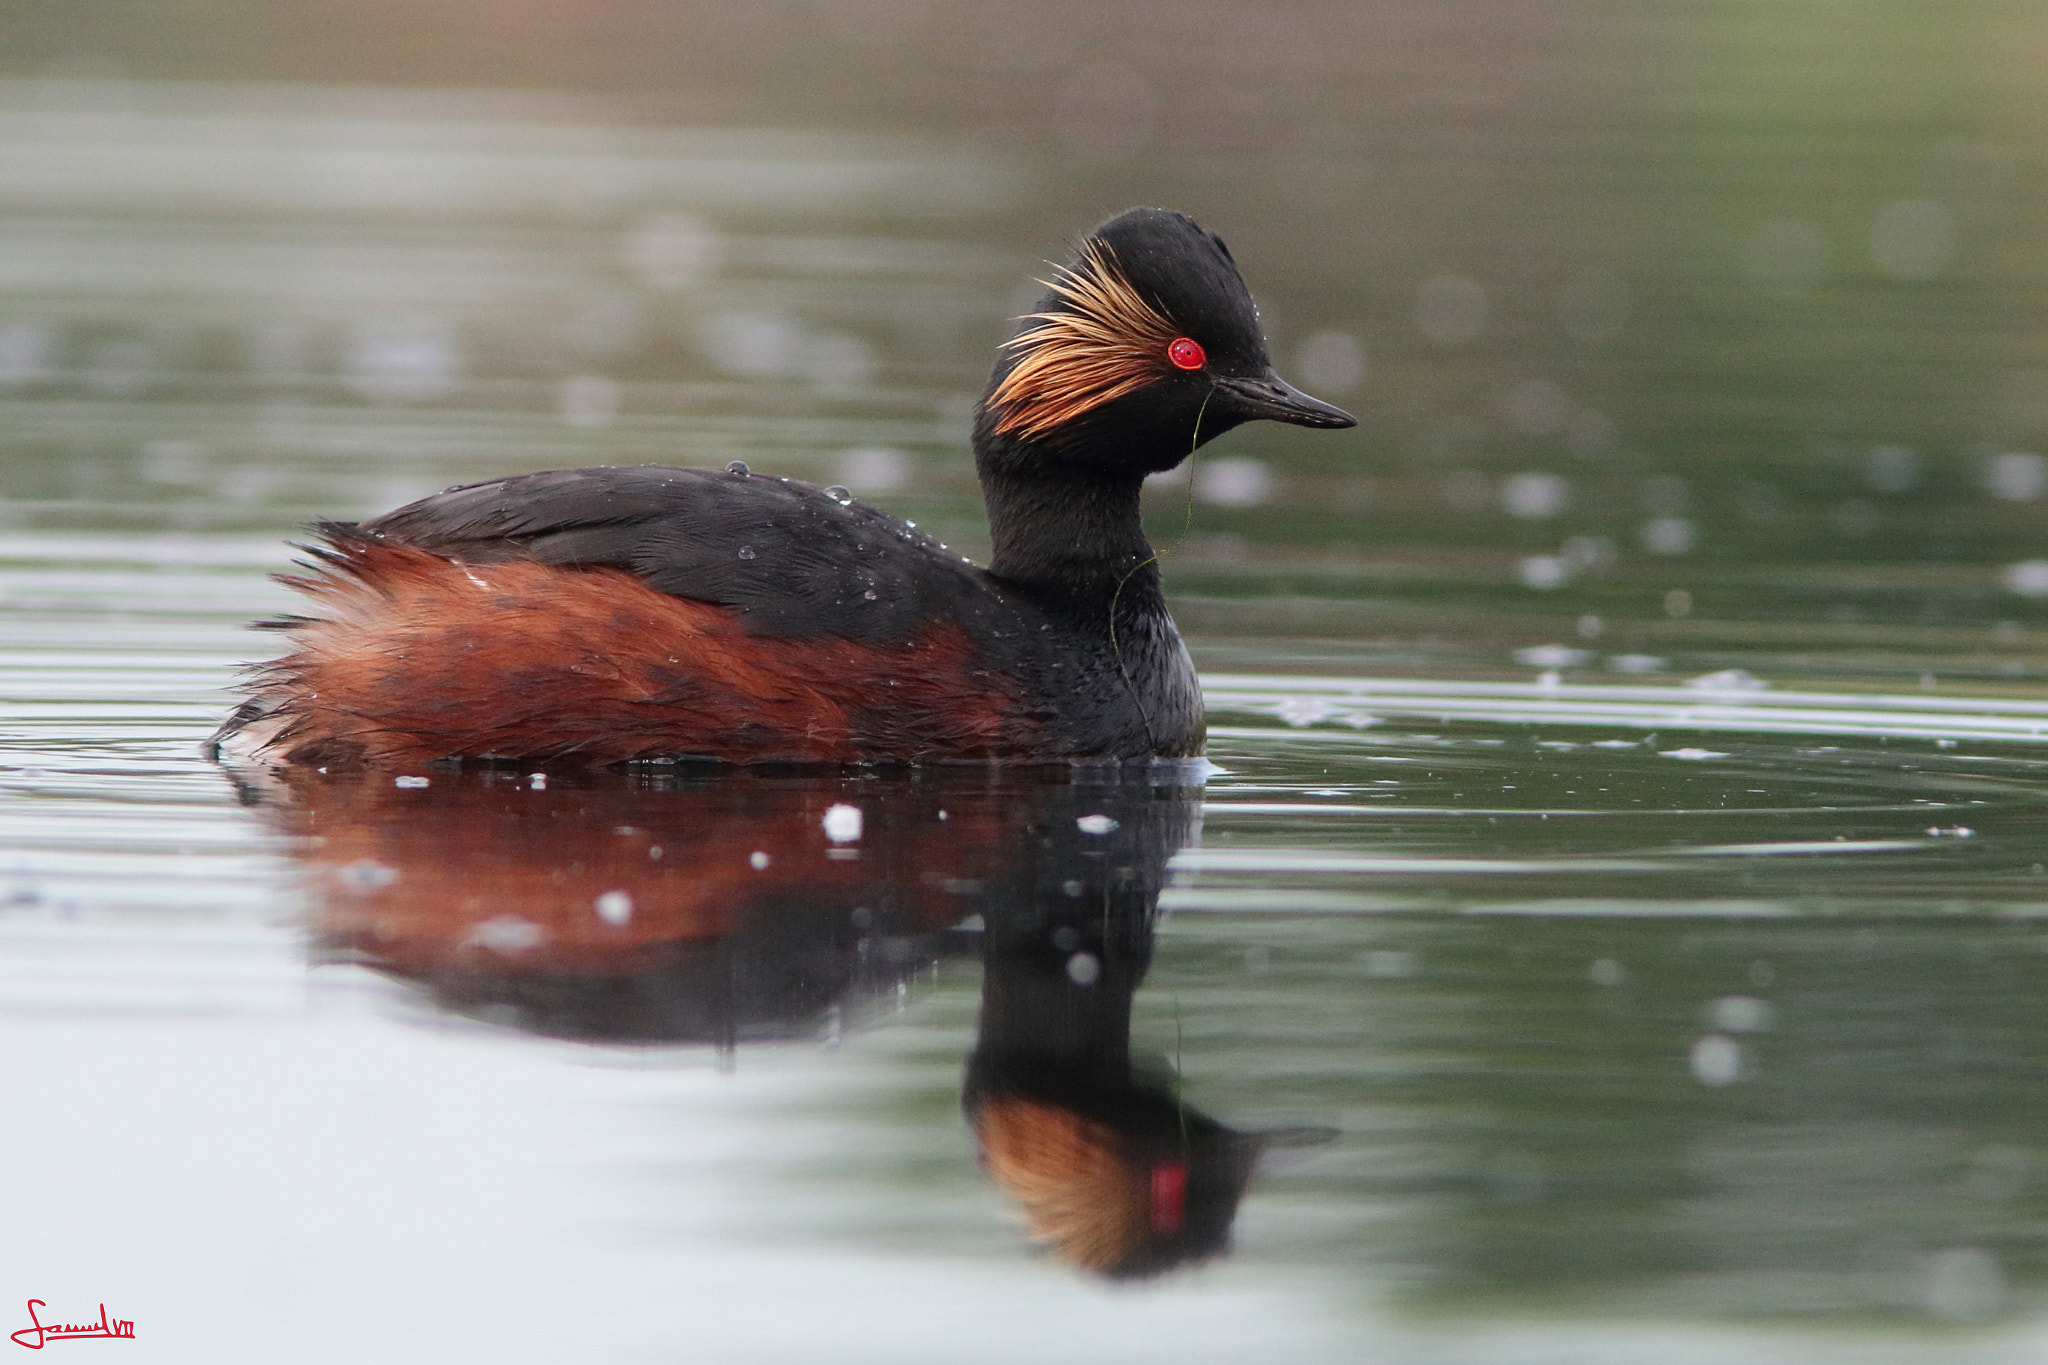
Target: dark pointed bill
(1273, 398)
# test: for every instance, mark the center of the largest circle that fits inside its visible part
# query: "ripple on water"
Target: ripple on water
(1429, 933)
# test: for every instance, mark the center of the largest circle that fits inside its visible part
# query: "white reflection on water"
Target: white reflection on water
(318, 1171)
(2016, 476)
(1739, 707)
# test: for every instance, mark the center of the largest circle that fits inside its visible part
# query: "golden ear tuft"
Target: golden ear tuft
(1107, 342)
(1079, 1196)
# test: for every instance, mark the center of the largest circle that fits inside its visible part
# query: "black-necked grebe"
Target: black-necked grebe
(602, 615)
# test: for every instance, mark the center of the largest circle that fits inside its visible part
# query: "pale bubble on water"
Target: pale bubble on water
(842, 823)
(2016, 476)
(1716, 1060)
(758, 860)
(412, 781)
(2028, 578)
(506, 934)
(1300, 711)
(752, 345)
(1552, 656)
(1095, 824)
(1234, 481)
(873, 469)
(1667, 535)
(1963, 1284)
(1084, 969)
(1739, 1014)
(1533, 496)
(614, 907)
(1891, 469)
(1728, 680)
(1543, 572)
(1605, 971)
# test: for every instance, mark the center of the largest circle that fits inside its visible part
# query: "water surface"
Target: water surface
(1611, 925)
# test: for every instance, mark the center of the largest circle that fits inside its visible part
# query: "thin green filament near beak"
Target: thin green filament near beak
(1187, 525)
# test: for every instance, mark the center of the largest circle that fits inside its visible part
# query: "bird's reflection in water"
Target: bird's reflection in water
(1112, 1171)
(665, 905)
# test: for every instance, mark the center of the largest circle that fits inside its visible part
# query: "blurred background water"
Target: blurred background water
(1702, 457)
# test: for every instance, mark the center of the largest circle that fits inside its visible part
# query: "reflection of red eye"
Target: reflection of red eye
(1187, 353)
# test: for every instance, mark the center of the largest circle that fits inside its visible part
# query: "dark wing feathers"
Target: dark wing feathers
(787, 558)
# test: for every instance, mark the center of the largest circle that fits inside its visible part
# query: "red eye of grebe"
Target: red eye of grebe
(1187, 353)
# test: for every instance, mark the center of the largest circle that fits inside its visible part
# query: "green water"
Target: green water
(1626, 852)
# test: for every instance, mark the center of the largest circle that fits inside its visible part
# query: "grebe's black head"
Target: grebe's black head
(1144, 347)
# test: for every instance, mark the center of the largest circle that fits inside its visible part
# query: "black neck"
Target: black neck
(1077, 537)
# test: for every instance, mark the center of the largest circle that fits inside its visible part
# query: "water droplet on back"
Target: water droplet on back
(839, 494)
(738, 467)
(871, 595)
(746, 552)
